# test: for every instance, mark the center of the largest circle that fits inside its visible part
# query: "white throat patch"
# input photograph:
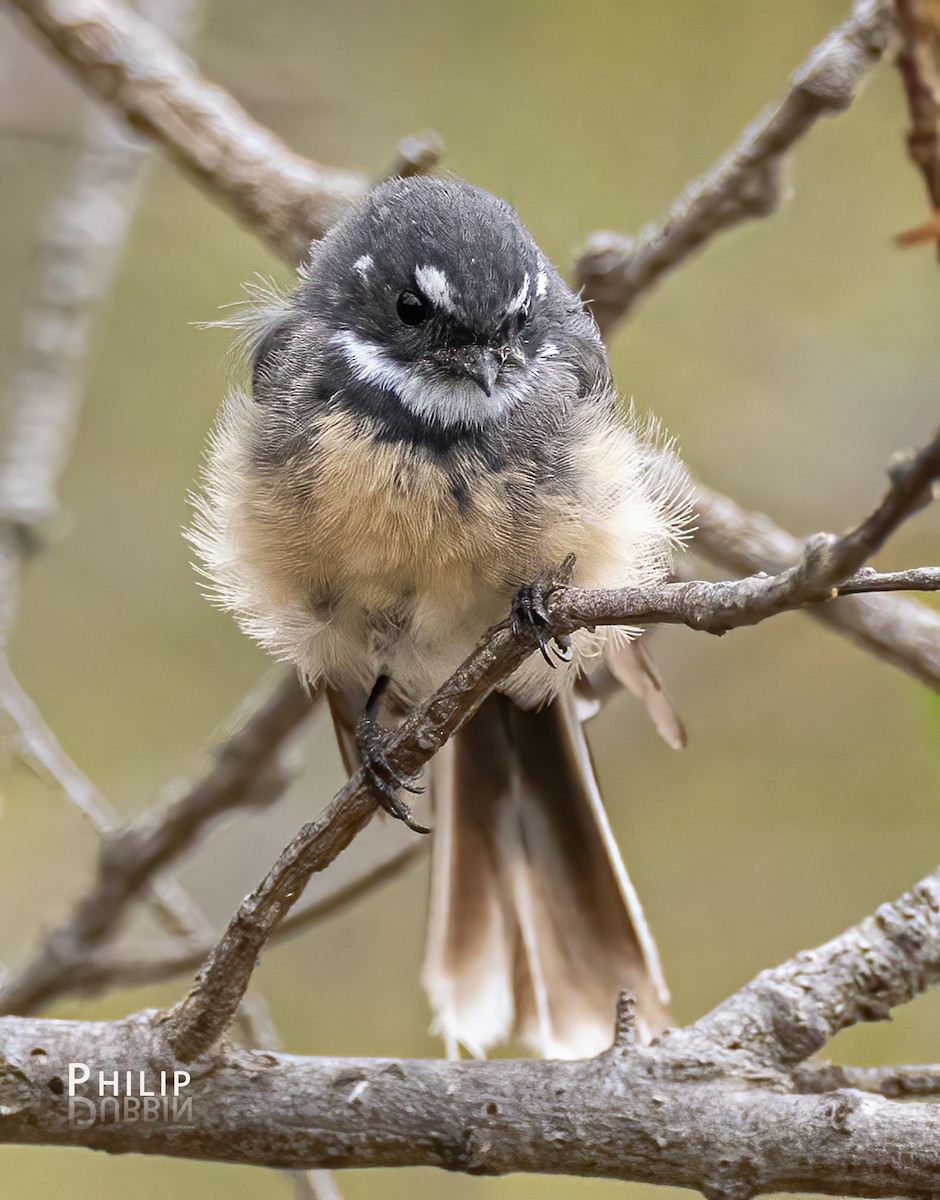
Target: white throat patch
(439, 401)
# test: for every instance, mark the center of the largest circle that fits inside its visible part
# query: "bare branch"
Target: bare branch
(609, 1118)
(418, 154)
(789, 1013)
(897, 1082)
(615, 270)
(245, 773)
(918, 61)
(284, 198)
(912, 478)
(711, 1107)
(899, 630)
(867, 580)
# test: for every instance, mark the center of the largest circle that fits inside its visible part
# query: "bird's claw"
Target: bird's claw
(383, 779)
(529, 613)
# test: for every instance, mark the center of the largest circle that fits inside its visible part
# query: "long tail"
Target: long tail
(534, 926)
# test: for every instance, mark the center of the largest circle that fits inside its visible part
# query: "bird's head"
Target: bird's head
(435, 292)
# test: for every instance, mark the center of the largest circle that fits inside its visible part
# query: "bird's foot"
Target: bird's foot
(385, 782)
(530, 613)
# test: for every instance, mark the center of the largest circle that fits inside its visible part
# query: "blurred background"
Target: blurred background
(791, 359)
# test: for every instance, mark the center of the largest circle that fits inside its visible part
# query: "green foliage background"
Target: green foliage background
(790, 359)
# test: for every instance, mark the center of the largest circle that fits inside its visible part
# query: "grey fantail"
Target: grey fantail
(432, 426)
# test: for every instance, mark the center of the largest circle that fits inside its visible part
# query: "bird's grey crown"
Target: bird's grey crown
(471, 240)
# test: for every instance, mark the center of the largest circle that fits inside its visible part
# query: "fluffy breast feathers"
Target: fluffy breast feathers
(353, 556)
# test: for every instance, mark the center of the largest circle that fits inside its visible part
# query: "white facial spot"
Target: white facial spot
(541, 284)
(363, 264)
(520, 298)
(433, 283)
(549, 350)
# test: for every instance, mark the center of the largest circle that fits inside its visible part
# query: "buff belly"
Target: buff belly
(354, 557)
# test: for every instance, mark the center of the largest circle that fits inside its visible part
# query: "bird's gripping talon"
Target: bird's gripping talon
(384, 780)
(530, 612)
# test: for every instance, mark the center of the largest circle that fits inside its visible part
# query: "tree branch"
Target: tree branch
(287, 200)
(897, 1082)
(614, 271)
(918, 62)
(709, 1107)
(899, 630)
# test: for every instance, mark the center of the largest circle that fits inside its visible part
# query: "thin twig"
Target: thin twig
(898, 1082)
(912, 477)
(897, 629)
(614, 271)
(918, 62)
(109, 966)
(246, 772)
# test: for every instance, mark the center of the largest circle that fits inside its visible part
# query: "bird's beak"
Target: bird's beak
(480, 365)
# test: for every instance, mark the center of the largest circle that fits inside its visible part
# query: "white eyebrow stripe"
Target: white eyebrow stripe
(433, 283)
(520, 297)
(363, 264)
(541, 284)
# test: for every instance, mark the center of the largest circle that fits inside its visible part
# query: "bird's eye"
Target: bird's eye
(522, 316)
(412, 309)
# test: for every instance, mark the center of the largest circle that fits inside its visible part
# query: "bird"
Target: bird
(431, 429)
